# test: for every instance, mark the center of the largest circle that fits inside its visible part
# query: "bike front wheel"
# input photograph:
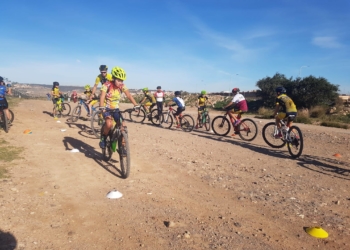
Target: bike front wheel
(295, 141)
(5, 121)
(12, 115)
(155, 119)
(248, 129)
(138, 115)
(124, 154)
(207, 122)
(107, 152)
(221, 125)
(167, 120)
(96, 123)
(269, 133)
(65, 109)
(76, 113)
(187, 123)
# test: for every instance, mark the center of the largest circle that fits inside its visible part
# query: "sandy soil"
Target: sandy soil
(185, 191)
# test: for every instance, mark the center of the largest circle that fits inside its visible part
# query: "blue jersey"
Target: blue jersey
(2, 92)
(179, 102)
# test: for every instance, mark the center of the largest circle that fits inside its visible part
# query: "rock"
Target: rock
(56, 187)
(169, 224)
(237, 224)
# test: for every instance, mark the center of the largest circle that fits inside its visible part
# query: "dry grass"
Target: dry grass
(7, 154)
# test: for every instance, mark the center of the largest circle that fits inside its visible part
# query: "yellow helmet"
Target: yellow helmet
(87, 87)
(118, 73)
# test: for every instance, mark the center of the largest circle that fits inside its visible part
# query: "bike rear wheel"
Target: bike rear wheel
(167, 120)
(221, 125)
(248, 129)
(76, 113)
(138, 115)
(296, 142)
(187, 123)
(124, 154)
(207, 122)
(65, 109)
(4, 121)
(269, 133)
(107, 151)
(155, 119)
(11, 115)
(96, 123)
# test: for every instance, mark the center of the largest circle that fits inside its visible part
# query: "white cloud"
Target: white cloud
(326, 42)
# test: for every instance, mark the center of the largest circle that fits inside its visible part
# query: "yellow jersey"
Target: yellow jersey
(102, 80)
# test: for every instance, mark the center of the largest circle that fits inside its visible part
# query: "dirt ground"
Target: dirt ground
(185, 191)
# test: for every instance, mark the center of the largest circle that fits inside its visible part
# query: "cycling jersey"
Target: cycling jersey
(159, 96)
(113, 94)
(88, 93)
(202, 99)
(102, 80)
(150, 97)
(179, 102)
(3, 92)
(240, 102)
(286, 103)
(56, 92)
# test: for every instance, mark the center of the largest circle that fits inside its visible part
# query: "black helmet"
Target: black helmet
(281, 90)
(177, 92)
(103, 68)
(159, 87)
(56, 84)
(1, 79)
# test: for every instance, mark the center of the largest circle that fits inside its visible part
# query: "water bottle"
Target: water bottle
(114, 146)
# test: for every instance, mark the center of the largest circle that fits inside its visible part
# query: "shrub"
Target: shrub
(303, 117)
(334, 125)
(317, 111)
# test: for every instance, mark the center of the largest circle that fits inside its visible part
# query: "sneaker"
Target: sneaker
(197, 126)
(237, 122)
(88, 115)
(279, 135)
(178, 126)
(235, 133)
(103, 143)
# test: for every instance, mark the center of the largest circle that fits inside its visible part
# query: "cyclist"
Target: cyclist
(111, 93)
(202, 105)
(56, 95)
(151, 102)
(288, 109)
(160, 98)
(102, 78)
(3, 101)
(177, 100)
(88, 94)
(238, 106)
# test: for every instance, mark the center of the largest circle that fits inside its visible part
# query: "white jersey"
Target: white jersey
(159, 96)
(238, 98)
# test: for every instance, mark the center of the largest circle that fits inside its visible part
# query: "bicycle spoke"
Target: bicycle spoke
(295, 142)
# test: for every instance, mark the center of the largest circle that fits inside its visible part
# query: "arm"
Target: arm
(130, 97)
(102, 98)
(229, 104)
(276, 109)
(93, 91)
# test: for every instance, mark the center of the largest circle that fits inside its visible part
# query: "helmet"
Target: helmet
(203, 92)
(177, 92)
(87, 87)
(103, 68)
(56, 84)
(1, 79)
(281, 90)
(118, 73)
(145, 89)
(159, 87)
(235, 90)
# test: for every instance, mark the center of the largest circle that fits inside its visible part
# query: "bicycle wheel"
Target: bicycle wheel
(248, 130)
(96, 123)
(76, 113)
(138, 115)
(5, 121)
(207, 122)
(269, 132)
(107, 152)
(221, 125)
(65, 109)
(12, 115)
(296, 143)
(167, 120)
(124, 154)
(155, 119)
(187, 123)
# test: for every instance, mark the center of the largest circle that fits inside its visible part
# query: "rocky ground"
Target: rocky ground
(185, 191)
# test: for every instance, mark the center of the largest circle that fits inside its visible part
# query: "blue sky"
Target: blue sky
(179, 44)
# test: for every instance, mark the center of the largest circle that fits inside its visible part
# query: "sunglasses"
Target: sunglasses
(103, 72)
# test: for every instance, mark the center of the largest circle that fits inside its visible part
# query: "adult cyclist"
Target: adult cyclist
(111, 93)
(3, 102)
(288, 107)
(202, 105)
(102, 78)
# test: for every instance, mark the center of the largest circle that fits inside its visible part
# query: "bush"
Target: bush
(317, 111)
(303, 117)
(334, 125)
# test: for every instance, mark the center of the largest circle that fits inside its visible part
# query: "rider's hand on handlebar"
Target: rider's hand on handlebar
(136, 107)
(101, 108)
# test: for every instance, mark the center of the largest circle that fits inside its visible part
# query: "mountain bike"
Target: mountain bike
(204, 119)
(293, 137)
(4, 120)
(186, 121)
(140, 114)
(77, 110)
(117, 141)
(63, 108)
(246, 129)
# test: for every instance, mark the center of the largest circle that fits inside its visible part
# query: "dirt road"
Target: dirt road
(185, 191)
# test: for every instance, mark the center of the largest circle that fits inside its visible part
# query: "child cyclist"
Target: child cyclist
(3, 92)
(56, 95)
(238, 106)
(91, 99)
(177, 100)
(288, 109)
(151, 101)
(202, 105)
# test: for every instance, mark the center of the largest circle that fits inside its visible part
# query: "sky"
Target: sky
(191, 45)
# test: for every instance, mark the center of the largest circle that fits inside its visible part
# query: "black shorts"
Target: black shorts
(54, 100)
(201, 108)
(179, 111)
(3, 103)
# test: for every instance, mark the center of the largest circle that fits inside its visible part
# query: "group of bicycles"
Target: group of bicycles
(246, 129)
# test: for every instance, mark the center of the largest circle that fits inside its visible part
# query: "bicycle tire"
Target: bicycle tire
(268, 133)
(65, 109)
(207, 122)
(167, 120)
(96, 123)
(155, 119)
(137, 116)
(124, 154)
(107, 152)
(187, 123)
(76, 113)
(247, 127)
(12, 115)
(297, 141)
(221, 125)
(5, 122)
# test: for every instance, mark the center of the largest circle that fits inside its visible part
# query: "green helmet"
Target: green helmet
(87, 87)
(118, 73)
(145, 89)
(203, 92)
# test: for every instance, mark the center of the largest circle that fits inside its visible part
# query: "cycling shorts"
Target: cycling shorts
(3, 103)
(291, 115)
(54, 100)
(238, 111)
(179, 111)
(93, 102)
(149, 104)
(116, 115)
(201, 109)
